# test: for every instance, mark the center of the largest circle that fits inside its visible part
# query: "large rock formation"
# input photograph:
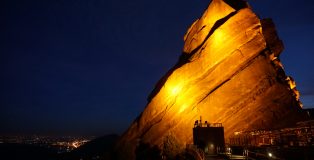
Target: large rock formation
(229, 73)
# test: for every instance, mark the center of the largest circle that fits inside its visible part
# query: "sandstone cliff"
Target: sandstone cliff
(229, 73)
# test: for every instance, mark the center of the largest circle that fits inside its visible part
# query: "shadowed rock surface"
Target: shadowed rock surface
(229, 73)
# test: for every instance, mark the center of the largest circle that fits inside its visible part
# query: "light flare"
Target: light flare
(218, 37)
(182, 108)
(174, 90)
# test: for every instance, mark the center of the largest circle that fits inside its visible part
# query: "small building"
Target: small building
(209, 136)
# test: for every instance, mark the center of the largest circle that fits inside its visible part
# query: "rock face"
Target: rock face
(229, 73)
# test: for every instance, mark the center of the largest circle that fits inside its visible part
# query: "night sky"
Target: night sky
(86, 67)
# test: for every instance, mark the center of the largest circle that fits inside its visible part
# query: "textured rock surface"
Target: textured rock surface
(229, 72)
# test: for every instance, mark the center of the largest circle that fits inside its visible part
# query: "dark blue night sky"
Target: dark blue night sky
(86, 67)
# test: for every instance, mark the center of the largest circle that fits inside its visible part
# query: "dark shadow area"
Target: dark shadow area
(13, 151)
(100, 148)
(237, 4)
(146, 152)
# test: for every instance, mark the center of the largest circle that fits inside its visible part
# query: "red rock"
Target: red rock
(229, 73)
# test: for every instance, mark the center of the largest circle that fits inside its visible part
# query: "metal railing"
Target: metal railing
(206, 124)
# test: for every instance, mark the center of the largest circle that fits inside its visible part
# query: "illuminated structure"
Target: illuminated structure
(229, 72)
(300, 135)
(209, 137)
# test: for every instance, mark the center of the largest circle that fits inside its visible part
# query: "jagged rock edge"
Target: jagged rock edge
(185, 58)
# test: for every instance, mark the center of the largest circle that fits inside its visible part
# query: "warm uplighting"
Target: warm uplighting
(175, 90)
(230, 73)
(183, 107)
(291, 82)
(218, 37)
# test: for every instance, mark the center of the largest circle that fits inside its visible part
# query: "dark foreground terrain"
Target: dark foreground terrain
(13, 151)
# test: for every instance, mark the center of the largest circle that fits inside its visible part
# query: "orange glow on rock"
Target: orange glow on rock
(218, 37)
(227, 73)
(175, 90)
(182, 108)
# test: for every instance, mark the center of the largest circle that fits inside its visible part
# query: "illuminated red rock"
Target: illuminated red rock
(229, 73)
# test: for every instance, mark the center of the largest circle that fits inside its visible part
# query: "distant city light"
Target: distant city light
(61, 144)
